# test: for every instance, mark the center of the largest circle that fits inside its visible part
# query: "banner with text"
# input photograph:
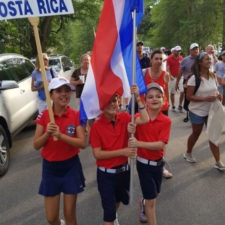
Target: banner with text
(11, 9)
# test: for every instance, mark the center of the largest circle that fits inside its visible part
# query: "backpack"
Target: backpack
(197, 84)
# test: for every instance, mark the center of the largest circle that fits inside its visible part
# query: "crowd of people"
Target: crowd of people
(200, 80)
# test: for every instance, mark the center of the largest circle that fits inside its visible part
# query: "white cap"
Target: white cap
(155, 85)
(177, 48)
(172, 49)
(162, 48)
(58, 82)
(194, 45)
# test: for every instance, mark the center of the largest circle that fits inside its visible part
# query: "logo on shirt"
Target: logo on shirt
(39, 115)
(70, 130)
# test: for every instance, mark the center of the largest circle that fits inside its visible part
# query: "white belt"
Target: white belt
(149, 162)
(117, 170)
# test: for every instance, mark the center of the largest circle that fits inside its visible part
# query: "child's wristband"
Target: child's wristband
(141, 107)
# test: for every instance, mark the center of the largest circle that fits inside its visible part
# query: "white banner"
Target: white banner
(11, 9)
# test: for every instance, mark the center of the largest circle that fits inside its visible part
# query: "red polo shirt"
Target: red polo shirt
(59, 150)
(155, 130)
(174, 64)
(110, 137)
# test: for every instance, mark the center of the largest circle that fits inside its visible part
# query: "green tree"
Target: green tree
(17, 35)
(186, 21)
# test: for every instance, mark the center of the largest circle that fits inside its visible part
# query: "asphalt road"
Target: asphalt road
(194, 196)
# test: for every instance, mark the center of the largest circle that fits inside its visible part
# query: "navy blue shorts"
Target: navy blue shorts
(113, 188)
(62, 176)
(196, 119)
(150, 178)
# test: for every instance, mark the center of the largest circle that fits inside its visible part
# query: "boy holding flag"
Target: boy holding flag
(109, 141)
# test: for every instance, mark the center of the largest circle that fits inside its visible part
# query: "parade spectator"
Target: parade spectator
(144, 59)
(211, 52)
(157, 75)
(151, 146)
(163, 49)
(109, 141)
(61, 167)
(79, 76)
(37, 82)
(173, 66)
(220, 73)
(185, 71)
(200, 102)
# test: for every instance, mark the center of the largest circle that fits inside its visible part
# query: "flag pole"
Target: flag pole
(132, 161)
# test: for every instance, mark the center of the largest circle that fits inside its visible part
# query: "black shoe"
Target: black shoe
(186, 119)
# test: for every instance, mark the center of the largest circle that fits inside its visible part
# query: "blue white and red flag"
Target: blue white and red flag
(111, 61)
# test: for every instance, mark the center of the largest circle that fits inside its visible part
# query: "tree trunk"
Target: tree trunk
(44, 31)
(223, 15)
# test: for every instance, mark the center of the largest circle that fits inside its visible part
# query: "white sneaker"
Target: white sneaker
(62, 222)
(116, 221)
(188, 157)
(142, 216)
(220, 166)
(167, 174)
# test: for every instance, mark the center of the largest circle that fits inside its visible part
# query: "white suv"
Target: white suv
(62, 65)
(17, 102)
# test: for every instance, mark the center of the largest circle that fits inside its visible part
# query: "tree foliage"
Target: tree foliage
(185, 21)
(59, 34)
(166, 23)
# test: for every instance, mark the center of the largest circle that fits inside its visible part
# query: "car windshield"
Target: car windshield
(55, 63)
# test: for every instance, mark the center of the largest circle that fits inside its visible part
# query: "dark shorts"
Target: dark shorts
(196, 119)
(113, 188)
(63, 176)
(150, 178)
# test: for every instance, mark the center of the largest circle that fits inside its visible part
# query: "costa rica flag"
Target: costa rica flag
(111, 61)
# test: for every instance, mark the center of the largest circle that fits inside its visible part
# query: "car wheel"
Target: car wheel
(4, 151)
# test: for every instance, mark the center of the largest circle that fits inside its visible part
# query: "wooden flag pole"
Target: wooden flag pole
(34, 21)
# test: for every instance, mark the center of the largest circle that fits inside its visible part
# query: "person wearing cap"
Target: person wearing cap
(156, 74)
(185, 71)
(200, 104)
(109, 141)
(150, 152)
(173, 66)
(220, 73)
(37, 82)
(144, 59)
(211, 52)
(61, 167)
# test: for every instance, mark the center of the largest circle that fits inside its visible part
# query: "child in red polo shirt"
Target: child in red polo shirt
(152, 138)
(61, 168)
(109, 140)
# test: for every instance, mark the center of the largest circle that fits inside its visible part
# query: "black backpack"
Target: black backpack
(197, 84)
